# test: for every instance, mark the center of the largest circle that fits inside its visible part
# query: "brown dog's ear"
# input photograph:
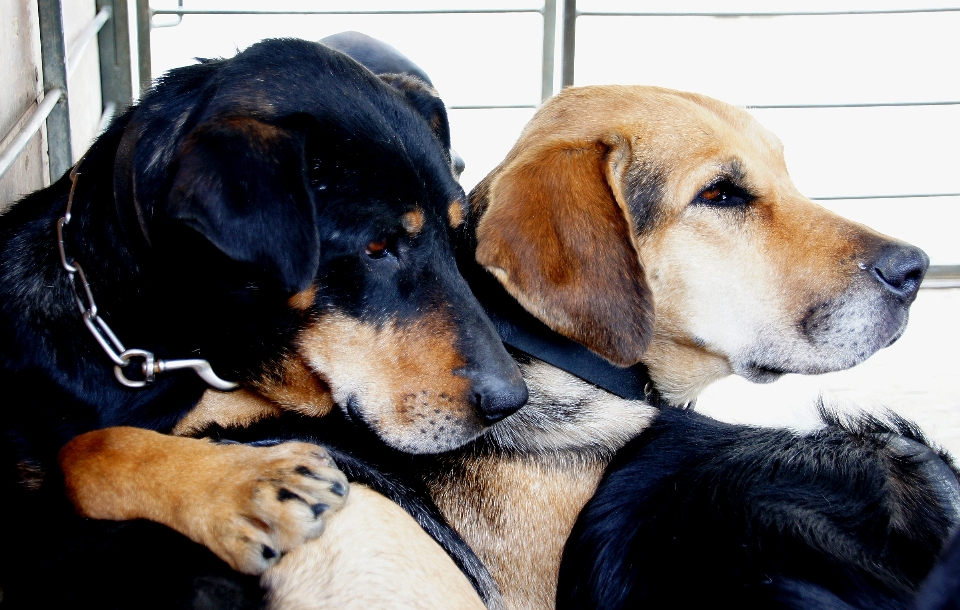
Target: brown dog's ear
(555, 232)
(241, 183)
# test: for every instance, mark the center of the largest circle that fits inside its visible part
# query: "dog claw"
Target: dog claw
(258, 523)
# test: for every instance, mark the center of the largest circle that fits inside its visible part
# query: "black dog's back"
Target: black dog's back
(695, 512)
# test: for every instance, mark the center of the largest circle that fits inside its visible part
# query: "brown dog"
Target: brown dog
(662, 227)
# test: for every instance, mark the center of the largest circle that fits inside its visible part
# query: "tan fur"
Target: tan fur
(372, 555)
(517, 505)
(296, 387)
(227, 409)
(402, 377)
(304, 299)
(519, 530)
(412, 222)
(456, 213)
(246, 504)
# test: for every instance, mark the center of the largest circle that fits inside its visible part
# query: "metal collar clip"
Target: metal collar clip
(104, 335)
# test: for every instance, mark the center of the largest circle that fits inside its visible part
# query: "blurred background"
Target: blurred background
(859, 92)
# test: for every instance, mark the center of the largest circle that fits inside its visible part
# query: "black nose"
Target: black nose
(900, 269)
(498, 396)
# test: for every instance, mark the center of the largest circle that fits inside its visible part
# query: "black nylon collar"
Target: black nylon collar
(521, 330)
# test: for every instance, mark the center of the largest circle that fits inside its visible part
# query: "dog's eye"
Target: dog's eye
(723, 194)
(377, 248)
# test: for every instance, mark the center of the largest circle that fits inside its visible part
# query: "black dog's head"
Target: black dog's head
(297, 213)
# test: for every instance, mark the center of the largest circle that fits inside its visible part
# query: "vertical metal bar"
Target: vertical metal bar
(549, 45)
(114, 40)
(54, 51)
(569, 41)
(143, 44)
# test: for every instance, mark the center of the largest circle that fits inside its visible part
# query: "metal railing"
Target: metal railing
(59, 63)
(548, 11)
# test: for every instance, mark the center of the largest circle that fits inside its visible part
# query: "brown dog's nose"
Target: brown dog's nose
(900, 269)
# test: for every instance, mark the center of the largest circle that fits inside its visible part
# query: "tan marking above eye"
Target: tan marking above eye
(455, 213)
(303, 299)
(412, 221)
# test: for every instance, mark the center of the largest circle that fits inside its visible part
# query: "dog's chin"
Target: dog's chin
(424, 437)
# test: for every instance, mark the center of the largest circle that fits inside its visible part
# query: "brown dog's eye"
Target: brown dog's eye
(723, 194)
(377, 249)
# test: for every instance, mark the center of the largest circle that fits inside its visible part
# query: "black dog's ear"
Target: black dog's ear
(424, 99)
(241, 183)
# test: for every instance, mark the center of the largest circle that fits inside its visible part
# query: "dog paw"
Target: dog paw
(268, 500)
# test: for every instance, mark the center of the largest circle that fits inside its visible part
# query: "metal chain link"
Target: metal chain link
(104, 335)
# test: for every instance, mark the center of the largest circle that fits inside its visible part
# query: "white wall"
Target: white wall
(22, 85)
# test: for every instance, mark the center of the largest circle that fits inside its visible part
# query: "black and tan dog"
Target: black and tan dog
(636, 224)
(280, 219)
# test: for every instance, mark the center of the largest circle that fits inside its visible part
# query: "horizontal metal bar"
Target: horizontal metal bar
(854, 105)
(451, 11)
(942, 276)
(904, 11)
(911, 196)
(943, 272)
(79, 47)
(491, 106)
(29, 129)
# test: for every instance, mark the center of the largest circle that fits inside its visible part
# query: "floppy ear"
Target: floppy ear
(556, 233)
(241, 183)
(424, 99)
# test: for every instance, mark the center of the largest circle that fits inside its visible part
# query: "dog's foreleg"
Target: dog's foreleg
(249, 505)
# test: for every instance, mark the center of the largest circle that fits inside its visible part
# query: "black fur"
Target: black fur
(941, 589)
(699, 513)
(400, 72)
(231, 186)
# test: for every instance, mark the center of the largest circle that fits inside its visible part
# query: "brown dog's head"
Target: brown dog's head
(662, 226)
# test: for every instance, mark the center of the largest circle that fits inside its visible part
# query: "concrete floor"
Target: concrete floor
(918, 377)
